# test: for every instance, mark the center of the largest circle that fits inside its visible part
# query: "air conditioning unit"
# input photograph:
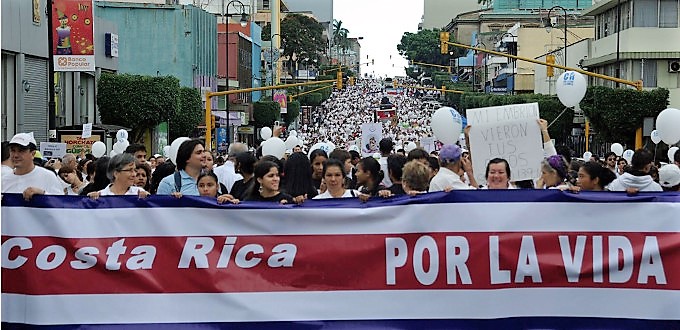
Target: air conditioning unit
(674, 66)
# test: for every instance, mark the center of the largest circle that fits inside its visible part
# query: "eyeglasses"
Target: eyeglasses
(611, 159)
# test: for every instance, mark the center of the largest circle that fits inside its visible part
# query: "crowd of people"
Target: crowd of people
(342, 114)
(248, 176)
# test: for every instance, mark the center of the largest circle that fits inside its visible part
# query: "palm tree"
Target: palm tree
(340, 35)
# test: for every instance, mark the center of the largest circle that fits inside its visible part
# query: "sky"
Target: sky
(381, 23)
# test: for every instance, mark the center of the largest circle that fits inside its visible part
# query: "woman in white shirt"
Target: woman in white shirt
(334, 178)
(498, 175)
(121, 172)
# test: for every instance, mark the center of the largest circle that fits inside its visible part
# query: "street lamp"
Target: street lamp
(511, 51)
(479, 43)
(549, 26)
(243, 21)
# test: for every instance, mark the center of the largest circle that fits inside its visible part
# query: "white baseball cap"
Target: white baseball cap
(24, 139)
(669, 175)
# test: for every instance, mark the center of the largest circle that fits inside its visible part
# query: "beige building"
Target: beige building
(648, 43)
(521, 32)
(438, 13)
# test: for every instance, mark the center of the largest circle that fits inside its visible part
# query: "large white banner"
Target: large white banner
(130, 263)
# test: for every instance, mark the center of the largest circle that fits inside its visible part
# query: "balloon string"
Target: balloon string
(655, 146)
(558, 117)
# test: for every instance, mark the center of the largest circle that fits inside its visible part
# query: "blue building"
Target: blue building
(165, 40)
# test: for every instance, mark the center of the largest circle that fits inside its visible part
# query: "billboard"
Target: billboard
(73, 35)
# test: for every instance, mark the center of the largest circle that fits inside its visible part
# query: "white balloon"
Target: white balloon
(355, 148)
(120, 146)
(292, 133)
(617, 148)
(447, 125)
(166, 151)
(628, 155)
(291, 142)
(671, 153)
(121, 135)
(409, 146)
(668, 125)
(314, 147)
(174, 146)
(656, 137)
(587, 155)
(265, 133)
(112, 153)
(274, 146)
(98, 149)
(571, 88)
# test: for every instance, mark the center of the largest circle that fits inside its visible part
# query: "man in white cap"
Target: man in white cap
(28, 179)
(669, 177)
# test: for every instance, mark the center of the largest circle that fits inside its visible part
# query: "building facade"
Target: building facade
(25, 84)
(518, 28)
(646, 46)
(438, 13)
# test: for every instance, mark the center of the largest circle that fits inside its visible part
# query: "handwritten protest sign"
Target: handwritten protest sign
(518, 142)
(502, 113)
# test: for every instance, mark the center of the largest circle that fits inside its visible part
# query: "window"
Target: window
(668, 14)
(265, 4)
(647, 70)
(646, 13)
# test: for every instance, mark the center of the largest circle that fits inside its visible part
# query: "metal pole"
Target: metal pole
(618, 39)
(565, 37)
(226, 56)
(51, 105)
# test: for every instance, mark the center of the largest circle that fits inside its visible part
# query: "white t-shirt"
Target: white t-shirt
(445, 178)
(39, 178)
(132, 191)
(348, 194)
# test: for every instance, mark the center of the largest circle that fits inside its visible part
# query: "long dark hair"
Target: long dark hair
(101, 181)
(162, 170)
(298, 175)
(595, 170)
(259, 171)
(369, 164)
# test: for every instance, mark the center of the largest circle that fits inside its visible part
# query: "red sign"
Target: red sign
(73, 36)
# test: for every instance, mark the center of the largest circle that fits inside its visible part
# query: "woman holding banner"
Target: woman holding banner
(266, 184)
(334, 177)
(121, 172)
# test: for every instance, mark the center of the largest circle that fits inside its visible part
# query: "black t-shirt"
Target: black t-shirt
(317, 183)
(397, 189)
(276, 198)
(241, 188)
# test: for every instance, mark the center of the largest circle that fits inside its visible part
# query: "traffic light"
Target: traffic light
(339, 79)
(214, 123)
(351, 81)
(550, 71)
(394, 83)
(372, 61)
(444, 36)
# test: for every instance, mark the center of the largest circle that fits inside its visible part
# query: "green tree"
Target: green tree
(137, 102)
(302, 36)
(615, 114)
(189, 115)
(424, 47)
(292, 112)
(265, 113)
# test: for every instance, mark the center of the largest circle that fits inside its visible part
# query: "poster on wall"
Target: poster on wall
(73, 36)
(37, 14)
